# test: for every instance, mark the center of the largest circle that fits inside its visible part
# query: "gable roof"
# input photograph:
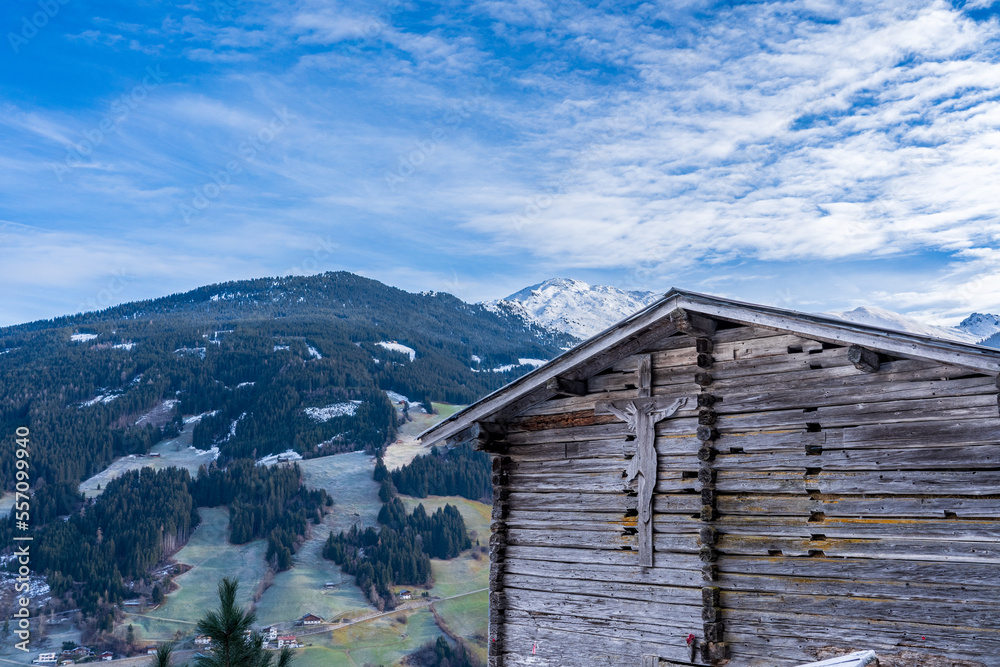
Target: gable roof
(654, 323)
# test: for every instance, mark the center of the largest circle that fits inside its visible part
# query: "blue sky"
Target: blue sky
(813, 155)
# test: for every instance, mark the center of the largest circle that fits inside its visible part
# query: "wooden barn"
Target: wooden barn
(717, 483)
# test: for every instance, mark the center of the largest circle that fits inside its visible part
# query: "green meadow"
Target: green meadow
(300, 591)
(384, 640)
(212, 557)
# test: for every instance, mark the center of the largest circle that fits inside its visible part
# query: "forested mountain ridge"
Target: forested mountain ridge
(272, 364)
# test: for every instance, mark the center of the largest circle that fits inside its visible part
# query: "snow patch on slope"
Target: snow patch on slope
(573, 306)
(398, 347)
(331, 411)
(82, 338)
(290, 455)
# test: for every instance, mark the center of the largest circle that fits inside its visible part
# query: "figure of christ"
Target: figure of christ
(642, 415)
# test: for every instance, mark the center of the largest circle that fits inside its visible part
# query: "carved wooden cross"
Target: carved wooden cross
(642, 414)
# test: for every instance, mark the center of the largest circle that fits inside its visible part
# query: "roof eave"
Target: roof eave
(820, 327)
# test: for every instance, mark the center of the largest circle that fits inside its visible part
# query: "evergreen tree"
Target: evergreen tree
(163, 654)
(227, 628)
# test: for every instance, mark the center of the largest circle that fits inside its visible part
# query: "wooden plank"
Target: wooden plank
(573, 502)
(917, 530)
(570, 466)
(728, 369)
(598, 557)
(665, 380)
(766, 343)
(847, 376)
(613, 447)
(569, 483)
(680, 425)
(600, 503)
(558, 570)
(746, 333)
(572, 521)
(901, 589)
(770, 397)
(896, 548)
(940, 613)
(873, 436)
(909, 482)
(588, 606)
(616, 590)
(756, 481)
(889, 506)
(957, 457)
(576, 539)
(604, 642)
(951, 409)
(986, 429)
(769, 441)
(606, 540)
(954, 573)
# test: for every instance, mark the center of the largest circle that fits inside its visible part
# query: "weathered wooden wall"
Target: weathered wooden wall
(801, 503)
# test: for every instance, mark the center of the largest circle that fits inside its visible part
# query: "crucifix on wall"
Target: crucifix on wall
(641, 414)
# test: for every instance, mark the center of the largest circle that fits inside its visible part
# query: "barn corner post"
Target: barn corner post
(500, 463)
(714, 649)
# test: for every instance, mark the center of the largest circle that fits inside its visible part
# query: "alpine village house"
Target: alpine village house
(710, 482)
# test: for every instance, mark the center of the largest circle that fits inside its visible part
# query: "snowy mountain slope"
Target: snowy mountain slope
(974, 329)
(573, 306)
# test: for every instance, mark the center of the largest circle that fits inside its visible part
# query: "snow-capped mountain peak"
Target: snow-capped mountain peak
(574, 306)
(980, 325)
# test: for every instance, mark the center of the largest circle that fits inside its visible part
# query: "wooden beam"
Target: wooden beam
(565, 385)
(478, 434)
(831, 330)
(863, 359)
(693, 323)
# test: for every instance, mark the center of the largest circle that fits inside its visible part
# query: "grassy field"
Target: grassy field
(212, 558)
(378, 642)
(468, 617)
(465, 573)
(176, 452)
(53, 639)
(300, 591)
(407, 447)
